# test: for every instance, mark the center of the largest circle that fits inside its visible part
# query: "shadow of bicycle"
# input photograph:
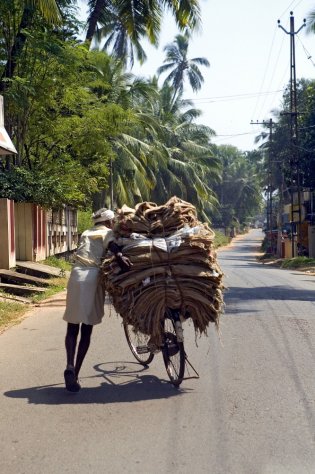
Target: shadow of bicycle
(124, 382)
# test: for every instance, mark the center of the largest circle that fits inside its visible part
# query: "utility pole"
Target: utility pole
(269, 124)
(294, 162)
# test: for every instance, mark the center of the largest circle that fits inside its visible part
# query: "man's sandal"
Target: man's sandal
(71, 381)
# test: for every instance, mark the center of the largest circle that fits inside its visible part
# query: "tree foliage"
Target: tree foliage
(180, 67)
(293, 156)
(239, 189)
(89, 133)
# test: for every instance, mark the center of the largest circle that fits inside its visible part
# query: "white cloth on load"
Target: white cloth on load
(85, 294)
(167, 244)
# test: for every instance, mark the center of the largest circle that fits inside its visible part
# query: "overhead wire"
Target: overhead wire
(266, 68)
(263, 105)
(224, 98)
(290, 6)
(279, 89)
(276, 65)
(308, 55)
(264, 95)
(235, 134)
(226, 138)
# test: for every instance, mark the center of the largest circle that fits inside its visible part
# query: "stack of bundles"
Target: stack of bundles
(174, 266)
(156, 221)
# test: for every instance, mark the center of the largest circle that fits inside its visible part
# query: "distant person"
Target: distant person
(85, 293)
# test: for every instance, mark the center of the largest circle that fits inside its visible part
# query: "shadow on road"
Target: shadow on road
(124, 384)
(235, 294)
(237, 258)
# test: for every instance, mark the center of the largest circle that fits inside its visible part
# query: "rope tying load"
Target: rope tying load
(174, 266)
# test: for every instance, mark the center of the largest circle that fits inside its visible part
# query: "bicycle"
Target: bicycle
(174, 355)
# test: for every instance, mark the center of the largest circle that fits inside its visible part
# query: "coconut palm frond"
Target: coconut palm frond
(310, 28)
(201, 61)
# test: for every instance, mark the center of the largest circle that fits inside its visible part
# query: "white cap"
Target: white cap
(103, 215)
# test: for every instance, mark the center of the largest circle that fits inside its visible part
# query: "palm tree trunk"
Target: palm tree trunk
(92, 22)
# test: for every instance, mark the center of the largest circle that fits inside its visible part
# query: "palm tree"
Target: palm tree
(48, 9)
(240, 188)
(123, 26)
(181, 67)
(131, 178)
(161, 151)
(123, 45)
(123, 20)
(311, 22)
(185, 162)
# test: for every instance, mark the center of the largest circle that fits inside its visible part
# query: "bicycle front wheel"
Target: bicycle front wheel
(173, 354)
(138, 344)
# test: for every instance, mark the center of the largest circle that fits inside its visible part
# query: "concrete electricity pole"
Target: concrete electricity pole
(294, 162)
(269, 183)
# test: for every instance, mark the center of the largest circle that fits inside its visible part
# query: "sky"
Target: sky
(249, 59)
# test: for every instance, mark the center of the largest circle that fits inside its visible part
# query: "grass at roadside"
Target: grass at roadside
(298, 262)
(220, 240)
(11, 312)
(57, 285)
(58, 263)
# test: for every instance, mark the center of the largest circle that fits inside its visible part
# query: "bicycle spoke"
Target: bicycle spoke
(138, 345)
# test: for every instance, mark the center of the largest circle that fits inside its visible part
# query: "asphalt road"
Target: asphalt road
(251, 412)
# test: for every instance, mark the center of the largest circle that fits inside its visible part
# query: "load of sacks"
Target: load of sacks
(174, 266)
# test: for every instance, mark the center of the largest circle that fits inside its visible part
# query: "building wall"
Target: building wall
(62, 233)
(7, 234)
(30, 225)
(29, 232)
(41, 233)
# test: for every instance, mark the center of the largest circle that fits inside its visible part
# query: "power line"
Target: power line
(233, 97)
(235, 135)
(308, 55)
(266, 68)
(285, 11)
(276, 66)
(254, 133)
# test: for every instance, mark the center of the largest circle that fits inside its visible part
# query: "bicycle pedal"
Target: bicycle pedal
(143, 349)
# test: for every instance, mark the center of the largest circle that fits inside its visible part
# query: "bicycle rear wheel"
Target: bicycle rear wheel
(138, 344)
(173, 353)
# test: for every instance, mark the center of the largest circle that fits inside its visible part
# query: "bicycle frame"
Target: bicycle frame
(174, 355)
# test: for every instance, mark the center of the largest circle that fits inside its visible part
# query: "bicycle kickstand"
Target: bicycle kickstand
(193, 368)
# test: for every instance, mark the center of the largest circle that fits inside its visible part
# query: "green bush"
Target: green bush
(54, 261)
(297, 262)
(220, 239)
(84, 221)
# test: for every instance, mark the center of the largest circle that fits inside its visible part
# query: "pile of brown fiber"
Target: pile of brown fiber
(174, 266)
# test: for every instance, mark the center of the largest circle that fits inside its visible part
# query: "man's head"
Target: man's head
(103, 216)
